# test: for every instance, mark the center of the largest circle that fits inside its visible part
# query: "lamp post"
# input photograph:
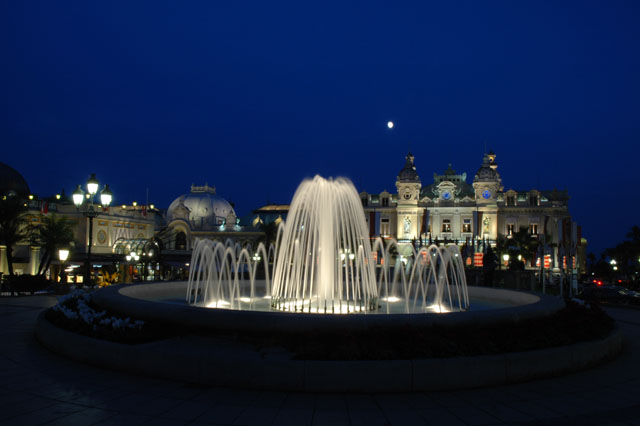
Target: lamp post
(89, 211)
(132, 256)
(63, 255)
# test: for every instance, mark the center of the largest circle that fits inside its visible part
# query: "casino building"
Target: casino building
(450, 209)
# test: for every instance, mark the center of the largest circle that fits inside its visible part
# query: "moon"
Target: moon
(390, 124)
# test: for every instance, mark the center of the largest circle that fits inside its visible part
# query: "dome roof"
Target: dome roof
(408, 172)
(201, 208)
(12, 182)
(486, 172)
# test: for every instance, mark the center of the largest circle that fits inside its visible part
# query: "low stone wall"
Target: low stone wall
(139, 301)
(211, 362)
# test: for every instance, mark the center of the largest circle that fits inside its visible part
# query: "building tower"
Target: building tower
(408, 185)
(486, 184)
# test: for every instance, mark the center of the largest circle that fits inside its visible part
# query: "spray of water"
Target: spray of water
(323, 262)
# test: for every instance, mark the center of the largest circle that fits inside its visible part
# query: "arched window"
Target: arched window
(181, 241)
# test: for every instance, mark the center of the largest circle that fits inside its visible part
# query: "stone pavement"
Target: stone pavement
(38, 387)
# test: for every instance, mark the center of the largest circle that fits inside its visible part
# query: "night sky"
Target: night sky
(254, 97)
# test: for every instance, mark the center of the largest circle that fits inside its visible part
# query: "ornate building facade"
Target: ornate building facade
(449, 209)
(203, 214)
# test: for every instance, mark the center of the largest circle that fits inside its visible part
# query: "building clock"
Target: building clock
(486, 194)
(407, 195)
(446, 195)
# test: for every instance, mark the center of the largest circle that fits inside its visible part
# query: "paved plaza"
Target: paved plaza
(38, 387)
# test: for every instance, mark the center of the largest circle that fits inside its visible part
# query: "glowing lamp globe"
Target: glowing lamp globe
(106, 196)
(78, 196)
(92, 184)
(63, 255)
(390, 124)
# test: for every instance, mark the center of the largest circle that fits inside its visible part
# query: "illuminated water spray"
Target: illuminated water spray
(324, 262)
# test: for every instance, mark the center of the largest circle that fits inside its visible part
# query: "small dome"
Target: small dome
(12, 182)
(408, 172)
(201, 208)
(486, 172)
(449, 171)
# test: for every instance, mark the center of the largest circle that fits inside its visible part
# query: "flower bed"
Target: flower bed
(75, 312)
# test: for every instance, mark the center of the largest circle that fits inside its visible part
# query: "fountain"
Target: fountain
(323, 262)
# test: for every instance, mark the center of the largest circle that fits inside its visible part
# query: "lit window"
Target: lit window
(446, 225)
(384, 226)
(510, 229)
(533, 229)
(466, 225)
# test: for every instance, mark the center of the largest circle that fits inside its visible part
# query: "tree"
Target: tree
(51, 234)
(525, 243)
(502, 247)
(13, 227)
(634, 235)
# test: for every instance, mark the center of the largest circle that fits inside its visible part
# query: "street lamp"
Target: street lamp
(505, 257)
(63, 255)
(89, 211)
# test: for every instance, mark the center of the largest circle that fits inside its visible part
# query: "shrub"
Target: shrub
(28, 283)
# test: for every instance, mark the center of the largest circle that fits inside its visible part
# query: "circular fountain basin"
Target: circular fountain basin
(164, 302)
(212, 361)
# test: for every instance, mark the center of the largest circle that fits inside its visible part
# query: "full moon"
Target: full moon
(390, 124)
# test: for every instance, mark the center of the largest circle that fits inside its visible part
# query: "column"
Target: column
(4, 266)
(34, 259)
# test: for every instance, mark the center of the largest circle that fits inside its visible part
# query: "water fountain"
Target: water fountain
(323, 262)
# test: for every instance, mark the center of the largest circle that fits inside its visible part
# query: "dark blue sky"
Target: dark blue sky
(254, 96)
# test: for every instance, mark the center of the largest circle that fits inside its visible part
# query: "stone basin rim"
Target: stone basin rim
(141, 301)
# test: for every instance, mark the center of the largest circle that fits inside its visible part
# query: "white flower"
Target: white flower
(87, 314)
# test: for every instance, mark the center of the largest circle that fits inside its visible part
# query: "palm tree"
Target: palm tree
(634, 234)
(502, 247)
(12, 225)
(526, 243)
(52, 234)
